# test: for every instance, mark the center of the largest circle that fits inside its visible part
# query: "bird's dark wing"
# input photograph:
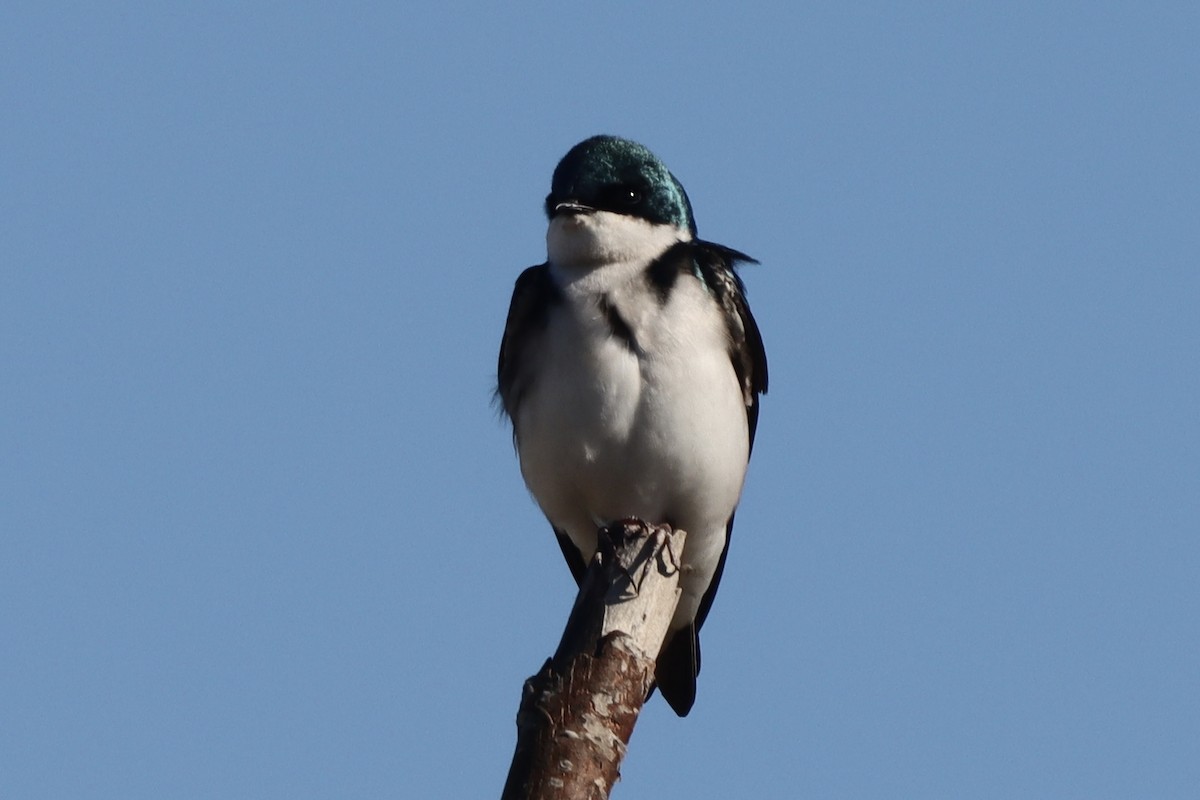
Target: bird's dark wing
(678, 663)
(716, 265)
(573, 556)
(533, 296)
(746, 352)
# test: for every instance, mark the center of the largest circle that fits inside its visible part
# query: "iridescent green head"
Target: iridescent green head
(612, 174)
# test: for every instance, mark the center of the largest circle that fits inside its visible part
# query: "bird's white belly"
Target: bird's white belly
(605, 433)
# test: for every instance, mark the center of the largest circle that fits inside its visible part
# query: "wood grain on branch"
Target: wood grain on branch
(578, 712)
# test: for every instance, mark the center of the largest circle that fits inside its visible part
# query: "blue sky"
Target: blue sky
(263, 535)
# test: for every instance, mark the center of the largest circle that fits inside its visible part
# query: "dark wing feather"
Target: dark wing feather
(679, 662)
(533, 296)
(572, 554)
(748, 355)
(715, 264)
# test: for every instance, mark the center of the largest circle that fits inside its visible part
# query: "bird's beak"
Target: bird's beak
(572, 208)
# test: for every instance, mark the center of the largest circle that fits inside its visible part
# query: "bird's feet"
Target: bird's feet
(616, 544)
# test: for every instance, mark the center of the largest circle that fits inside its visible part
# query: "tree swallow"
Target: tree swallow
(631, 369)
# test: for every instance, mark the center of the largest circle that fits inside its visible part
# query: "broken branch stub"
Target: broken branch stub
(578, 712)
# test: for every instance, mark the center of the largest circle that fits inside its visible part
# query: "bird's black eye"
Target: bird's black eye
(622, 197)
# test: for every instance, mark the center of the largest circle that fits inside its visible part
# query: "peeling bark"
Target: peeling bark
(578, 712)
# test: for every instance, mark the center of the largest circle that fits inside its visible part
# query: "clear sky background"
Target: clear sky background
(262, 534)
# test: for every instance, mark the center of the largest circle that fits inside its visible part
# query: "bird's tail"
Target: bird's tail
(676, 669)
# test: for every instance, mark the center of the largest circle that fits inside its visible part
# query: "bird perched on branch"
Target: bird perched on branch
(631, 369)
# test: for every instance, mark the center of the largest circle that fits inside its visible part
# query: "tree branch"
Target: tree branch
(578, 712)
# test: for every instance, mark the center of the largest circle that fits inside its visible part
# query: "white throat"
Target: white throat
(585, 241)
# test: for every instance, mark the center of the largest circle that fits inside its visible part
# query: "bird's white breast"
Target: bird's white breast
(657, 431)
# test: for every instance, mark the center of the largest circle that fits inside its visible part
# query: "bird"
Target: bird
(631, 370)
